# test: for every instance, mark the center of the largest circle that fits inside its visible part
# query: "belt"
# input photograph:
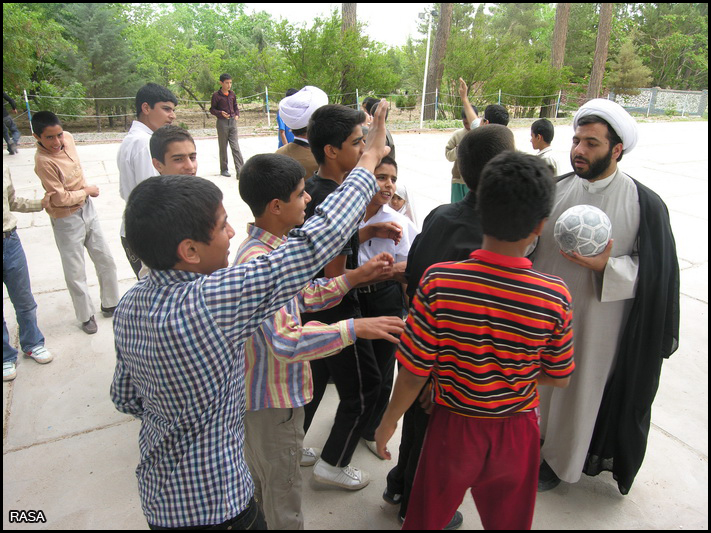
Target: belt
(7, 234)
(376, 287)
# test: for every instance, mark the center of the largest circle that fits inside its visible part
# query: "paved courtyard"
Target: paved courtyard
(70, 454)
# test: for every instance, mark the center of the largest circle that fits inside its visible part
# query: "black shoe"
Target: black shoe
(454, 523)
(391, 497)
(89, 326)
(225, 173)
(547, 480)
(108, 311)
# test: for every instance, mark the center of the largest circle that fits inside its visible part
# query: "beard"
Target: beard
(595, 168)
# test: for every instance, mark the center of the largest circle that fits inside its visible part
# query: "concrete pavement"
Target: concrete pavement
(70, 454)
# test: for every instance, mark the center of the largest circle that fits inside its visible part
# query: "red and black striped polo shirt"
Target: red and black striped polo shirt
(484, 328)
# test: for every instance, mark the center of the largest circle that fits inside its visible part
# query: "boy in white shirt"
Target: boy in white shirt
(386, 297)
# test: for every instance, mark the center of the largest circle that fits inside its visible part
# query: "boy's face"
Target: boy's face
(215, 254)
(159, 115)
(386, 176)
(226, 85)
(180, 158)
(350, 151)
(294, 212)
(52, 138)
(537, 141)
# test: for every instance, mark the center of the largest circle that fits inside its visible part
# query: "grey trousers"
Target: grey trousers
(72, 234)
(273, 441)
(227, 132)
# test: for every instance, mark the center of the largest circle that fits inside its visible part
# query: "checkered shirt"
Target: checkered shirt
(177, 338)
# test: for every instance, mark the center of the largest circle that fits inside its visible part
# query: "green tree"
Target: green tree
(674, 39)
(317, 55)
(32, 44)
(627, 73)
(101, 60)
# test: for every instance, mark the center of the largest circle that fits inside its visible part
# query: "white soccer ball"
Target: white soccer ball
(584, 229)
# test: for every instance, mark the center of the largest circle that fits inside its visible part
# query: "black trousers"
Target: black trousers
(386, 301)
(355, 373)
(251, 518)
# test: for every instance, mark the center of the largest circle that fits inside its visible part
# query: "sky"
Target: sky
(387, 23)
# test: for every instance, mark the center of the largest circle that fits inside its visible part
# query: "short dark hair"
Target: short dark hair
(516, 192)
(164, 136)
(369, 102)
(265, 177)
(374, 108)
(331, 124)
(478, 147)
(289, 92)
(224, 77)
(496, 114)
(544, 128)
(152, 93)
(42, 120)
(464, 113)
(163, 211)
(612, 136)
(387, 160)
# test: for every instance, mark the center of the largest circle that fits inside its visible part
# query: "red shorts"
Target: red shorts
(496, 458)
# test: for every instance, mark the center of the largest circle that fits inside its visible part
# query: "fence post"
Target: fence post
(703, 101)
(653, 100)
(436, 102)
(357, 100)
(269, 118)
(499, 96)
(29, 113)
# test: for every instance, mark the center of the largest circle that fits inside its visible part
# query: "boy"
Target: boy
(451, 232)
(173, 151)
(285, 135)
(74, 220)
(489, 330)
(16, 277)
(224, 107)
(336, 140)
(180, 337)
(386, 297)
(542, 132)
(155, 107)
(459, 188)
(278, 375)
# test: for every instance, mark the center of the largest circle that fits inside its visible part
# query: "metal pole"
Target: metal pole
(29, 114)
(436, 101)
(269, 118)
(557, 105)
(499, 96)
(427, 62)
(357, 100)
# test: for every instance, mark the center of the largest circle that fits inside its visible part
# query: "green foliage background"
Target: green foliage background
(109, 50)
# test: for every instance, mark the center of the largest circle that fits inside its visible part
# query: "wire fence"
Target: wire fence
(258, 111)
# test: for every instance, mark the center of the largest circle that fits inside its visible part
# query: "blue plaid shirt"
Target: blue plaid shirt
(177, 336)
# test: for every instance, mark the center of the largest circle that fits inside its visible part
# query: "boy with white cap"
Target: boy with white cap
(295, 111)
(626, 305)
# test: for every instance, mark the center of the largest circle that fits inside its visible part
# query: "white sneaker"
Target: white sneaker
(347, 477)
(9, 372)
(309, 456)
(370, 444)
(40, 354)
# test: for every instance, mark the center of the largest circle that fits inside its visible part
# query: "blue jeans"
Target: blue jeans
(16, 278)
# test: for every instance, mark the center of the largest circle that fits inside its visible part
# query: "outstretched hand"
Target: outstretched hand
(388, 328)
(378, 268)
